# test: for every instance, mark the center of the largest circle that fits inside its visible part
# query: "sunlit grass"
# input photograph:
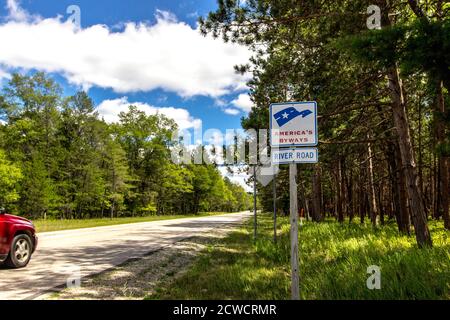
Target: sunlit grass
(333, 264)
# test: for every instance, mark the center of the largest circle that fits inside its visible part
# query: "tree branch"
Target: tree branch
(416, 8)
(354, 141)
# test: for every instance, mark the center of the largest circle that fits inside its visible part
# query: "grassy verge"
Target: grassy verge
(58, 225)
(333, 262)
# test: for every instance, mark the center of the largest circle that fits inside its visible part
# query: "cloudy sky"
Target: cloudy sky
(143, 52)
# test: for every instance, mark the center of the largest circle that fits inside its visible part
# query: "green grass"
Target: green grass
(57, 225)
(333, 264)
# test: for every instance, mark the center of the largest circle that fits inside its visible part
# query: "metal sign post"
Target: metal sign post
(274, 209)
(255, 223)
(293, 125)
(295, 285)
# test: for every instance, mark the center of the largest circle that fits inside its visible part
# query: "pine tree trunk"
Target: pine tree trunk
(435, 189)
(442, 160)
(317, 194)
(420, 146)
(380, 204)
(445, 190)
(418, 215)
(372, 199)
(112, 209)
(401, 207)
(350, 193)
(361, 193)
(339, 190)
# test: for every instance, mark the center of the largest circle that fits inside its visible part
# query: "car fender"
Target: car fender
(21, 229)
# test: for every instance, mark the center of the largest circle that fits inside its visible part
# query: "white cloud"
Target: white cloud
(169, 54)
(220, 102)
(243, 102)
(166, 16)
(231, 111)
(110, 109)
(16, 13)
(193, 14)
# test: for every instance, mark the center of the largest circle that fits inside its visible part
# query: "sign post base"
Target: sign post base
(294, 231)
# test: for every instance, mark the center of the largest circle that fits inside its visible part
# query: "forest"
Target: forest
(382, 94)
(59, 160)
(383, 102)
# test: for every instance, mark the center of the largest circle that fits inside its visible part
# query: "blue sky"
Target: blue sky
(110, 12)
(145, 52)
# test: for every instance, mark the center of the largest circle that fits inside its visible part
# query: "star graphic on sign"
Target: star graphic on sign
(284, 116)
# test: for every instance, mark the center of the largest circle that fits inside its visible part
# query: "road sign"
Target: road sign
(293, 124)
(295, 155)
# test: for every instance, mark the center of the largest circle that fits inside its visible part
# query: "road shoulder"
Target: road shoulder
(137, 278)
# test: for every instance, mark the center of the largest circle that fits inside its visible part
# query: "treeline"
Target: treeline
(383, 97)
(58, 159)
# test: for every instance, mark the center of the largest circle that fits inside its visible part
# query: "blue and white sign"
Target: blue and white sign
(295, 155)
(293, 124)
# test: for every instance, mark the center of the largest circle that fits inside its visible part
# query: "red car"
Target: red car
(18, 240)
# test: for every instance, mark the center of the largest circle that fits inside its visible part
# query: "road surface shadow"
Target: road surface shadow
(140, 277)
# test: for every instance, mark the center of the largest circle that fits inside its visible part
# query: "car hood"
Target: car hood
(10, 217)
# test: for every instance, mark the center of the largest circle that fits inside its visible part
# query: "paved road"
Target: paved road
(61, 255)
